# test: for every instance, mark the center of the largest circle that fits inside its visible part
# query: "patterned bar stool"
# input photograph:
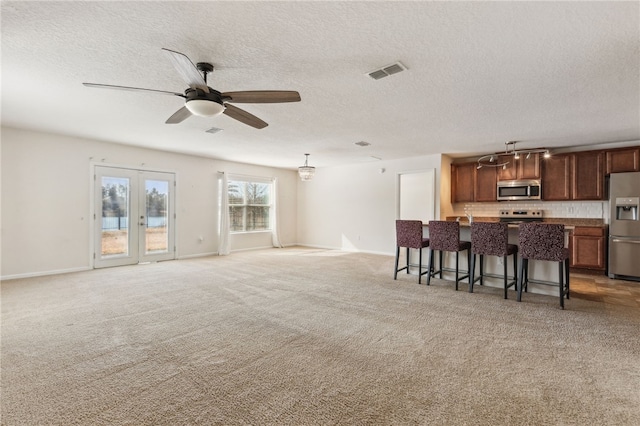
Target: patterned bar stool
(492, 239)
(543, 241)
(445, 236)
(409, 235)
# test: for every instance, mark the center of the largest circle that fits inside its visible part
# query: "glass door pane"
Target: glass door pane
(156, 216)
(116, 239)
(156, 206)
(115, 216)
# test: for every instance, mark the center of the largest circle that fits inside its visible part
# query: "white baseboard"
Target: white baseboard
(43, 273)
(193, 256)
(346, 250)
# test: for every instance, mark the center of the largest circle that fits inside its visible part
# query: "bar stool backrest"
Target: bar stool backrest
(444, 235)
(409, 233)
(489, 238)
(542, 241)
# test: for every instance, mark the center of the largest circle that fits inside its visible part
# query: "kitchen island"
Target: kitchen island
(543, 275)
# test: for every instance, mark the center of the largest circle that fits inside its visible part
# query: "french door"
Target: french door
(134, 216)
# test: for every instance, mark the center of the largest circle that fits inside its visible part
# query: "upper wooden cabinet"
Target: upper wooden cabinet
(525, 167)
(588, 176)
(463, 182)
(623, 160)
(556, 177)
(569, 176)
(469, 184)
(485, 187)
(575, 176)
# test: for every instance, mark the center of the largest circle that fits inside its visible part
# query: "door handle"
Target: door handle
(616, 240)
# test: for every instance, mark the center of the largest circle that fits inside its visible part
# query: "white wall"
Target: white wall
(354, 207)
(46, 202)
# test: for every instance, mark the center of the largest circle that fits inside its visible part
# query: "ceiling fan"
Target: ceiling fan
(202, 100)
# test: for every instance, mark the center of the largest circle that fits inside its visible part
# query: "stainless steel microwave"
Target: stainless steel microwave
(509, 190)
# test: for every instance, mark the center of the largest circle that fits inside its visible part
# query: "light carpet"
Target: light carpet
(303, 337)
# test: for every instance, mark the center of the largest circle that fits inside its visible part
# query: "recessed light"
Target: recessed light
(363, 143)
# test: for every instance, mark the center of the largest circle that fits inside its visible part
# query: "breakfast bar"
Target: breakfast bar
(543, 274)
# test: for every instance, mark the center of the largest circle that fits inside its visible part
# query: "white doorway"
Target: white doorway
(134, 218)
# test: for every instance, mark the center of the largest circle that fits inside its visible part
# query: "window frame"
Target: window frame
(246, 181)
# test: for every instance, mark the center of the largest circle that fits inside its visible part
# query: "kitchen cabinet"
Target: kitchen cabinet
(525, 167)
(623, 160)
(485, 185)
(587, 179)
(556, 177)
(575, 176)
(587, 247)
(463, 182)
(469, 184)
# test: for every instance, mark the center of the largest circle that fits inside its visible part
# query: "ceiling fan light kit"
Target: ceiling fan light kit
(489, 160)
(204, 107)
(306, 172)
(202, 100)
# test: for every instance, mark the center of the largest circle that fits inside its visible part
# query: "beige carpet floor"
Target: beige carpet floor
(303, 337)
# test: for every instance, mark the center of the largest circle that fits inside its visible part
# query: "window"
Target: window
(250, 205)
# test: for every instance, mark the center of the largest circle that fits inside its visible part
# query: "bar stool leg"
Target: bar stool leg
(395, 273)
(566, 275)
(420, 267)
(521, 277)
(457, 259)
(408, 257)
(469, 264)
(506, 278)
(515, 271)
(472, 272)
(431, 256)
(561, 282)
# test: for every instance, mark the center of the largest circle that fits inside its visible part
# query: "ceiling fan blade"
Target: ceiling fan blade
(187, 70)
(179, 116)
(244, 117)
(262, 96)
(133, 89)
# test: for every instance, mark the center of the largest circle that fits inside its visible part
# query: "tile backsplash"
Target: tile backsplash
(570, 209)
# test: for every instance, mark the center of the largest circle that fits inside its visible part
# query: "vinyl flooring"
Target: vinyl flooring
(601, 288)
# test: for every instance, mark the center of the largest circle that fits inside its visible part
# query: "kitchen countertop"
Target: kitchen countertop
(569, 223)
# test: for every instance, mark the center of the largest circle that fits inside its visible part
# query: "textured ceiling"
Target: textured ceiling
(479, 74)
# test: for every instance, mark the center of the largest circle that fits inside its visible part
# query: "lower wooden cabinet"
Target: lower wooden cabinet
(587, 246)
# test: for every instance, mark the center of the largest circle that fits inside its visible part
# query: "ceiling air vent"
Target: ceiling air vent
(387, 71)
(213, 130)
(363, 143)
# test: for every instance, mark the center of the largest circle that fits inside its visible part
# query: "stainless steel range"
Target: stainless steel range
(517, 216)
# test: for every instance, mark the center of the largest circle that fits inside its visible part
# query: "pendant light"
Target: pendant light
(306, 172)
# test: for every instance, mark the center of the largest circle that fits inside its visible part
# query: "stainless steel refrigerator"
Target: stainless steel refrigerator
(624, 229)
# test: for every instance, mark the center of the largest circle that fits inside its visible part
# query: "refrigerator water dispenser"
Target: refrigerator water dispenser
(627, 208)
